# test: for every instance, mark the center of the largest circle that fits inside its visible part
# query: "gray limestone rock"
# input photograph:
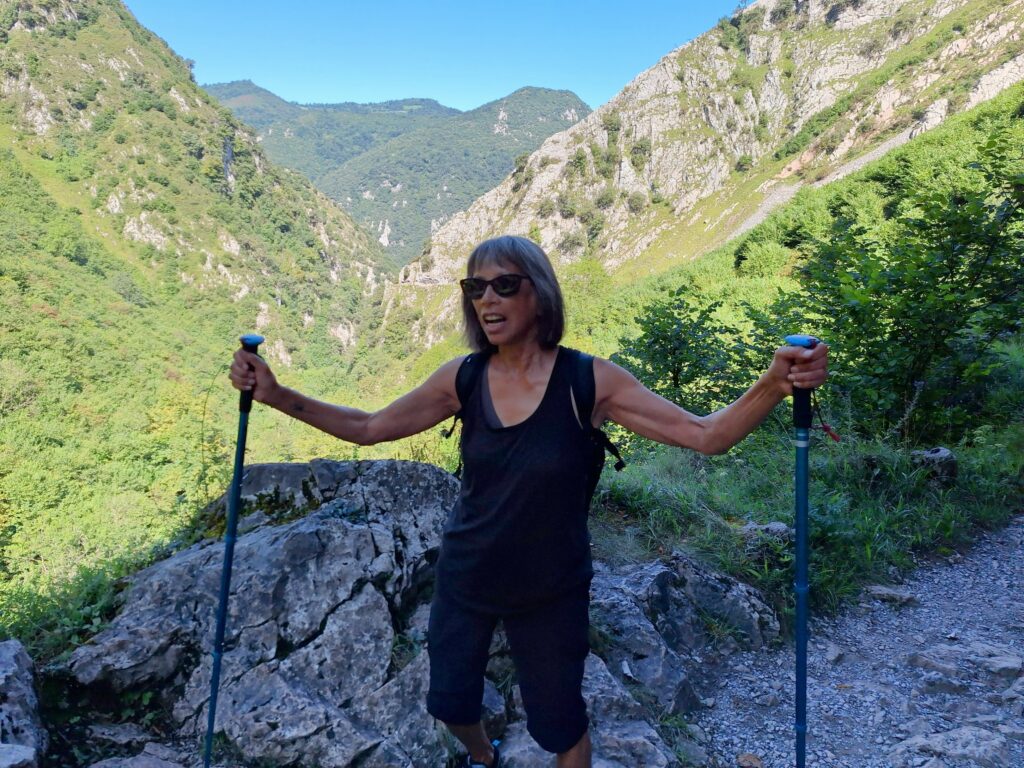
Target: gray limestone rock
(18, 756)
(978, 745)
(737, 604)
(939, 463)
(891, 595)
(20, 726)
(312, 618)
(632, 639)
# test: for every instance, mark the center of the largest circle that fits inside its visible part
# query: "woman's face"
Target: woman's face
(506, 319)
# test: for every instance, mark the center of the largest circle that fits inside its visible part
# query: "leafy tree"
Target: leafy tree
(687, 354)
(915, 288)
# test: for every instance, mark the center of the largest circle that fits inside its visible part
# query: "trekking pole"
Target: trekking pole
(802, 427)
(250, 343)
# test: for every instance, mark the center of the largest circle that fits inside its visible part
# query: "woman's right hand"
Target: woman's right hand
(250, 372)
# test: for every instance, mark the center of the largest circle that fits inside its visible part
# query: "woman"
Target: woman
(516, 547)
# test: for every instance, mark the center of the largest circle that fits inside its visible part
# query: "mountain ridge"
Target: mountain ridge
(689, 150)
(402, 168)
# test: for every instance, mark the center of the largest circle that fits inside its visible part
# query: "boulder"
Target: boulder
(316, 606)
(938, 463)
(977, 745)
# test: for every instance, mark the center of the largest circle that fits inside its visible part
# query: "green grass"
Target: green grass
(872, 509)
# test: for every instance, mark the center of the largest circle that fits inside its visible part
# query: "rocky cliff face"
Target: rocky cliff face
(783, 94)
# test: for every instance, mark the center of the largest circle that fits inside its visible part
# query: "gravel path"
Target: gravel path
(927, 674)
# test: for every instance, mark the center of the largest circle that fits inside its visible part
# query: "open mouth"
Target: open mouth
(492, 320)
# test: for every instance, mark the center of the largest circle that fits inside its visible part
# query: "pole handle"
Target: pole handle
(250, 343)
(802, 397)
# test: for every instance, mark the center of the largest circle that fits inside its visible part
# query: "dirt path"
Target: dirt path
(928, 676)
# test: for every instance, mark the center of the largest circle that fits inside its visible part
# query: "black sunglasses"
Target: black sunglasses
(504, 285)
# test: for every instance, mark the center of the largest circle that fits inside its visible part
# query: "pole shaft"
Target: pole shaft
(230, 535)
(801, 589)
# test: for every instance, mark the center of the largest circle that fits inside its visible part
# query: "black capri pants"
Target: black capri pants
(549, 647)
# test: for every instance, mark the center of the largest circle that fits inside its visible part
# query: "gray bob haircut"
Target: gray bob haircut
(526, 258)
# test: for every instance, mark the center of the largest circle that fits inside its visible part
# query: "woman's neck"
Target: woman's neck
(522, 357)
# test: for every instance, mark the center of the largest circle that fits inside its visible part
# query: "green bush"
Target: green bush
(566, 206)
(756, 259)
(636, 202)
(640, 154)
(605, 198)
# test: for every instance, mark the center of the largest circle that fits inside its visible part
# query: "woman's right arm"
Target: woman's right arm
(429, 404)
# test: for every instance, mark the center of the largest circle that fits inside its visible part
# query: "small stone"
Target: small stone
(936, 682)
(833, 653)
(1014, 732)
(891, 595)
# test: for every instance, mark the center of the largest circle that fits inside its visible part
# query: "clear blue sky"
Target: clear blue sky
(461, 53)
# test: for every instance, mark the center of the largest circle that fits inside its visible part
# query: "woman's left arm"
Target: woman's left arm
(624, 400)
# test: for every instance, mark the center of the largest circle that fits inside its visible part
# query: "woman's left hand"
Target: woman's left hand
(800, 367)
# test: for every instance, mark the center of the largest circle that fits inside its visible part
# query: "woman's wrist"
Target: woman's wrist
(276, 397)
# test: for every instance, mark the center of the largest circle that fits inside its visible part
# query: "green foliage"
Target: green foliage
(872, 508)
(605, 198)
(640, 154)
(567, 207)
(687, 355)
(735, 32)
(763, 259)
(612, 124)
(744, 163)
(546, 208)
(419, 161)
(636, 202)
(782, 12)
(911, 270)
(919, 290)
(578, 163)
(572, 241)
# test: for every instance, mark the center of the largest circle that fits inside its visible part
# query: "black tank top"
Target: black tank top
(517, 536)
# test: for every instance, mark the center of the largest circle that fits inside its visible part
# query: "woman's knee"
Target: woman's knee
(557, 729)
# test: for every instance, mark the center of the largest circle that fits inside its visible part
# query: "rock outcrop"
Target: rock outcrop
(23, 740)
(324, 662)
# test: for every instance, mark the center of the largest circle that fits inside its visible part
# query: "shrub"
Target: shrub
(578, 162)
(573, 241)
(566, 206)
(605, 198)
(637, 202)
(756, 259)
(640, 154)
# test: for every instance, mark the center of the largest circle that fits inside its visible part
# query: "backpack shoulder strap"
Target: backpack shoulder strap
(468, 375)
(583, 387)
(584, 394)
(466, 380)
